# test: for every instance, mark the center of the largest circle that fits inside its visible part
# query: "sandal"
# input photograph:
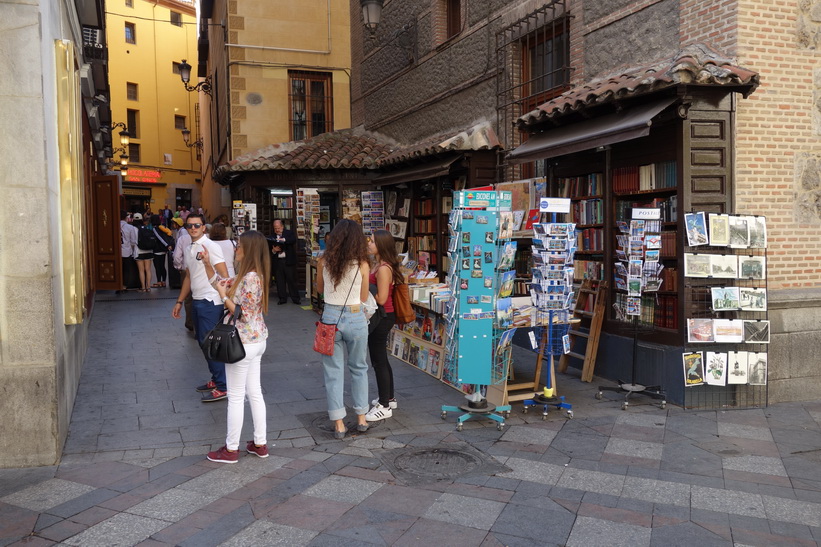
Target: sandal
(156, 285)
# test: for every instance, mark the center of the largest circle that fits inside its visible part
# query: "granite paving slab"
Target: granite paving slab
(593, 532)
(47, 494)
(465, 511)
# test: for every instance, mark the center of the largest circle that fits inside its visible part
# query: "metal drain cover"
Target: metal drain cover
(416, 465)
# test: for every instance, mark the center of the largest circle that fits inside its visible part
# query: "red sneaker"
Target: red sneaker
(208, 386)
(261, 451)
(223, 455)
(215, 395)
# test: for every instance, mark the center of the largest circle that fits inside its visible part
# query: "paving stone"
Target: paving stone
(525, 470)
(344, 489)
(535, 523)
(402, 499)
(744, 431)
(262, 533)
(308, 512)
(794, 511)
(755, 464)
(128, 529)
(528, 435)
(592, 532)
(686, 534)
(465, 511)
(83, 502)
(47, 494)
(737, 503)
(592, 481)
(172, 505)
(432, 532)
(656, 491)
(640, 449)
(223, 528)
(62, 530)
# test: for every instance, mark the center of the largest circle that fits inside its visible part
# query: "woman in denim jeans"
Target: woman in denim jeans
(342, 275)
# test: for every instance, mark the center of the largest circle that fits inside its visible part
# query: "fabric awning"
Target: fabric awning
(418, 172)
(609, 129)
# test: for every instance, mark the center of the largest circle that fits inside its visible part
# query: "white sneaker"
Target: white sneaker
(392, 403)
(377, 413)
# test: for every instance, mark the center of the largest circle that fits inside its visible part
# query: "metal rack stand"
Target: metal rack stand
(480, 409)
(550, 342)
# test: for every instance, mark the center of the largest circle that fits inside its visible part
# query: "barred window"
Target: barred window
(179, 122)
(130, 33)
(311, 104)
(132, 91)
(133, 153)
(176, 19)
(133, 123)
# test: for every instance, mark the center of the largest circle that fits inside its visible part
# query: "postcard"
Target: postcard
(652, 284)
(752, 267)
(696, 265)
(506, 284)
(504, 312)
(716, 373)
(633, 306)
(693, 368)
(724, 266)
(636, 229)
(505, 225)
(758, 232)
(696, 229)
(739, 232)
(652, 241)
(488, 237)
(756, 369)
(751, 299)
(651, 255)
(757, 332)
(700, 330)
(634, 286)
(635, 267)
(736, 367)
(730, 331)
(725, 298)
(719, 229)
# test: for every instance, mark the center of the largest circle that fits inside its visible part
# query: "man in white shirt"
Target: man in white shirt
(207, 306)
(183, 242)
(128, 250)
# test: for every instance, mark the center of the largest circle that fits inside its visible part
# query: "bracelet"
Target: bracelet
(178, 302)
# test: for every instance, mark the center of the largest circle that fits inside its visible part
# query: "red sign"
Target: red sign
(144, 175)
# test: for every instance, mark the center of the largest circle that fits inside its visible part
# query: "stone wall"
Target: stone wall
(795, 370)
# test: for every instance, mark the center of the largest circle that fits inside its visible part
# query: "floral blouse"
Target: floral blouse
(251, 324)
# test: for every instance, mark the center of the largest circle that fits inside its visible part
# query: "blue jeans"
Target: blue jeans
(206, 316)
(353, 337)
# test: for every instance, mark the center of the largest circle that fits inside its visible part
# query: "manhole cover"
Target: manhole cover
(438, 462)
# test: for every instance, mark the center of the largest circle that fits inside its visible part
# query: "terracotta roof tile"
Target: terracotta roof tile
(479, 137)
(694, 65)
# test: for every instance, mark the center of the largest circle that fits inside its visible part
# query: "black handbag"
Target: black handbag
(223, 343)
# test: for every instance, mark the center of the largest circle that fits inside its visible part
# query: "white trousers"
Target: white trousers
(242, 378)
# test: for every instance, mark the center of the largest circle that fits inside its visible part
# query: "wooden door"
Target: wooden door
(106, 264)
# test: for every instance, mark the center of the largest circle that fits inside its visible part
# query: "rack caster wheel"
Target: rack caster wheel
(444, 415)
(663, 405)
(506, 414)
(499, 426)
(524, 410)
(599, 396)
(569, 414)
(459, 426)
(544, 416)
(624, 406)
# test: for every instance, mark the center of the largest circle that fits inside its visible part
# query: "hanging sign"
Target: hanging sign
(646, 213)
(472, 198)
(554, 205)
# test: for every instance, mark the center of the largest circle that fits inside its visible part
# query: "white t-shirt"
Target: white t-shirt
(201, 289)
(227, 254)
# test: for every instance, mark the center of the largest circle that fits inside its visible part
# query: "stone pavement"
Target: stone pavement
(134, 470)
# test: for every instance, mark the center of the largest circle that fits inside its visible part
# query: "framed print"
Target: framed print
(724, 266)
(696, 265)
(730, 331)
(757, 332)
(719, 229)
(736, 367)
(696, 229)
(752, 267)
(724, 298)
(715, 373)
(739, 232)
(693, 368)
(752, 299)
(700, 330)
(757, 369)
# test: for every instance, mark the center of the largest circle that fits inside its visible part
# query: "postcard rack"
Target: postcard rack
(728, 331)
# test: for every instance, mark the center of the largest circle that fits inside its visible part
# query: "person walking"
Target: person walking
(207, 305)
(246, 297)
(218, 235)
(342, 275)
(384, 275)
(165, 245)
(145, 251)
(182, 243)
(283, 247)
(128, 250)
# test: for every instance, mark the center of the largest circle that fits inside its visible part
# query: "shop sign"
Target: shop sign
(471, 198)
(144, 175)
(646, 213)
(237, 204)
(554, 205)
(143, 192)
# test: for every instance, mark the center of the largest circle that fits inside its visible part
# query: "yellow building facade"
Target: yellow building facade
(147, 41)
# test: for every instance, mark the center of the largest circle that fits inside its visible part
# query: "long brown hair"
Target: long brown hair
(344, 245)
(254, 259)
(386, 249)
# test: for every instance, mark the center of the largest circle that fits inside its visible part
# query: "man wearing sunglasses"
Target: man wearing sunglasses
(207, 306)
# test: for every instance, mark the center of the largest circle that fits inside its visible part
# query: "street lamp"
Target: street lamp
(186, 136)
(125, 136)
(185, 76)
(371, 13)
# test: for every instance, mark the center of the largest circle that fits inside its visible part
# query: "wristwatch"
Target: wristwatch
(224, 300)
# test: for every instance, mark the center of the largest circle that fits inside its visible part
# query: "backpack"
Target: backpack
(146, 240)
(402, 304)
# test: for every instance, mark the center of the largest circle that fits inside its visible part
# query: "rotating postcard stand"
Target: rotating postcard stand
(475, 224)
(642, 273)
(552, 293)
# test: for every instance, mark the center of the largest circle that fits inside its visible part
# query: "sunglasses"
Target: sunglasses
(189, 225)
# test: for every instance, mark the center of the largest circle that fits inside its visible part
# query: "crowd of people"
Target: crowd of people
(223, 278)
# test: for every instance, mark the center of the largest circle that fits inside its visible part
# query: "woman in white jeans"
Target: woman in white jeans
(246, 295)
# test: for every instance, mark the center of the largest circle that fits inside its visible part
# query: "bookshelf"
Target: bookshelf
(427, 241)
(586, 191)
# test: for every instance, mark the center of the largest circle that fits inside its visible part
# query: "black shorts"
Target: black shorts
(145, 256)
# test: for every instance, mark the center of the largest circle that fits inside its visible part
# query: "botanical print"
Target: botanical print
(716, 373)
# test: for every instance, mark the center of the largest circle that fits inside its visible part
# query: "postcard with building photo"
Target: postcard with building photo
(758, 232)
(719, 229)
(739, 232)
(696, 229)
(633, 305)
(716, 368)
(751, 299)
(634, 286)
(757, 332)
(693, 368)
(724, 298)
(756, 368)
(635, 267)
(696, 265)
(724, 266)
(700, 330)
(752, 267)
(728, 331)
(736, 367)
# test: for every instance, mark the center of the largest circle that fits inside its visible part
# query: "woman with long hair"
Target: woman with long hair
(342, 275)
(385, 273)
(246, 297)
(165, 244)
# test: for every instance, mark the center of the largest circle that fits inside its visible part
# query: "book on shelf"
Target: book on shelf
(424, 225)
(653, 176)
(667, 205)
(590, 239)
(422, 243)
(587, 211)
(424, 207)
(668, 244)
(584, 185)
(447, 204)
(588, 269)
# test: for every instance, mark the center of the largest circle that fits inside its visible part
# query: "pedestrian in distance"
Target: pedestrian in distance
(218, 235)
(385, 273)
(246, 297)
(283, 248)
(146, 241)
(342, 275)
(165, 245)
(207, 304)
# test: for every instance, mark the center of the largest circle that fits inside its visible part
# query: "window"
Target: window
(132, 91)
(133, 153)
(133, 123)
(130, 33)
(176, 19)
(311, 104)
(179, 122)
(545, 62)
(129, 3)
(175, 68)
(453, 17)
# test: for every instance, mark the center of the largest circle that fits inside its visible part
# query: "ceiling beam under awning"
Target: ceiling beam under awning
(609, 129)
(418, 172)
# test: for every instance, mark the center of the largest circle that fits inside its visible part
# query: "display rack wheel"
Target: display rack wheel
(444, 414)
(599, 395)
(499, 426)
(624, 405)
(524, 409)
(663, 405)
(544, 416)
(459, 426)
(506, 414)
(569, 414)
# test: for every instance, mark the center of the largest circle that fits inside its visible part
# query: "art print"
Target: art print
(693, 368)
(465, 238)
(466, 251)
(488, 282)
(486, 299)
(476, 274)
(634, 286)
(696, 229)
(477, 263)
(488, 237)
(505, 225)
(652, 241)
(716, 368)
(508, 255)
(489, 257)
(719, 229)
(504, 312)
(463, 284)
(752, 267)
(757, 332)
(758, 232)
(465, 263)
(506, 284)
(518, 217)
(700, 330)
(724, 266)
(752, 299)
(477, 250)
(633, 306)
(472, 299)
(396, 228)
(724, 298)
(728, 331)
(736, 367)
(696, 265)
(481, 219)
(757, 369)
(739, 232)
